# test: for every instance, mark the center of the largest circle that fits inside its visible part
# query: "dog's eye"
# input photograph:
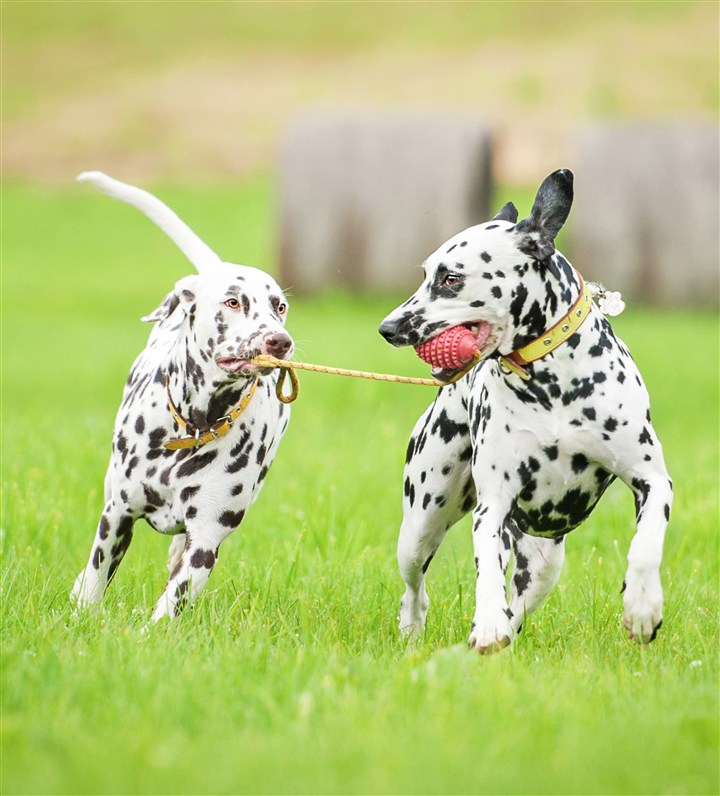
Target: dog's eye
(281, 308)
(233, 303)
(451, 280)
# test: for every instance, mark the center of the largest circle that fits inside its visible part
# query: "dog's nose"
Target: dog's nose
(388, 329)
(277, 344)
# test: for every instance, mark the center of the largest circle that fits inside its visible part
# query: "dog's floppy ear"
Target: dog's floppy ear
(184, 291)
(507, 212)
(549, 212)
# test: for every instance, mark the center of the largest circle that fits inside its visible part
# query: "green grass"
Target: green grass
(289, 675)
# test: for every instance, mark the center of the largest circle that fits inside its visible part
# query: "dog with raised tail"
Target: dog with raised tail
(199, 424)
(529, 440)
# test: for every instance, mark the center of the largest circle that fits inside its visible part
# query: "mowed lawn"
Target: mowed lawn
(289, 674)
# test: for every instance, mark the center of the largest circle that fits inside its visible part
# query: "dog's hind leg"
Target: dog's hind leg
(438, 491)
(175, 551)
(538, 563)
(112, 539)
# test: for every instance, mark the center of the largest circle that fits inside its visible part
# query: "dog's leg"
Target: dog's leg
(642, 598)
(538, 563)
(112, 539)
(175, 551)
(190, 574)
(491, 629)
(438, 492)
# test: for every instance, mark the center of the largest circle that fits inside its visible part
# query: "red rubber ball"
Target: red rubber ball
(452, 348)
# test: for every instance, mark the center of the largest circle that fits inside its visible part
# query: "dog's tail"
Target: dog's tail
(198, 252)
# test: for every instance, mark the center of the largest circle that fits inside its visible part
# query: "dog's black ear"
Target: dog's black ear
(183, 291)
(549, 212)
(508, 212)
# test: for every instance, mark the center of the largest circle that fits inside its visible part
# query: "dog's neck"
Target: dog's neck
(199, 396)
(549, 290)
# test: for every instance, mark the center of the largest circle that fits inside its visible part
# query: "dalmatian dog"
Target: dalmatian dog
(199, 424)
(528, 444)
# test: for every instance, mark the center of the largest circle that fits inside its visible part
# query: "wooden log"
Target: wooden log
(646, 214)
(365, 197)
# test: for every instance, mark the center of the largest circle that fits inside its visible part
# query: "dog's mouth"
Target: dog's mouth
(453, 349)
(240, 366)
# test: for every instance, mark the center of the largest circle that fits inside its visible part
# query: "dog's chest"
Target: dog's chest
(557, 485)
(163, 485)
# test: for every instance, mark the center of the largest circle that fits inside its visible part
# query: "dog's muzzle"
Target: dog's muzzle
(389, 330)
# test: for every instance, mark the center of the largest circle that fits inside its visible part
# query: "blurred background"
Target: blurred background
(367, 133)
(337, 144)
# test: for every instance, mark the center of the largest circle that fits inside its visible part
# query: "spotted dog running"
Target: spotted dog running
(528, 445)
(199, 423)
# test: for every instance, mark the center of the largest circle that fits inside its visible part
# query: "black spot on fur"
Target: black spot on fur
(579, 462)
(610, 424)
(447, 428)
(152, 496)
(551, 451)
(98, 557)
(202, 558)
(231, 519)
(521, 580)
(157, 436)
(188, 492)
(195, 463)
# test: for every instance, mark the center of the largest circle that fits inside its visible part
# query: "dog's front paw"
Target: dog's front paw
(86, 591)
(489, 637)
(642, 603)
(410, 630)
(413, 613)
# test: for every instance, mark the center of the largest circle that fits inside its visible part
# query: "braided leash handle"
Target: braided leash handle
(265, 361)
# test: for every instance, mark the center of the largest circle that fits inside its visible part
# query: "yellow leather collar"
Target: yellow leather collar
(556, 335)
(202, 436)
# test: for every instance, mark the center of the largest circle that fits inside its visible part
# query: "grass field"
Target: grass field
(289, 675)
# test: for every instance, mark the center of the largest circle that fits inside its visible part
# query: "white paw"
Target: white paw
(642, 603)
(488, 636)
(413, 613)
(85, 592)
(410, 629)
(163, 610)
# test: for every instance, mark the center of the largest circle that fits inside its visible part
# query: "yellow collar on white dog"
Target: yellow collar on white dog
(555, 336)
(202, 436)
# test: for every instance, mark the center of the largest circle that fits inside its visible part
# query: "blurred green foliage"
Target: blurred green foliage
(54, 48)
